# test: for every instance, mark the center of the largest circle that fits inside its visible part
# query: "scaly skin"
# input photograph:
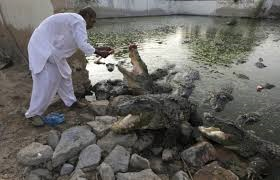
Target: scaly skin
(154, 111)
(138, 80)
(262, 153)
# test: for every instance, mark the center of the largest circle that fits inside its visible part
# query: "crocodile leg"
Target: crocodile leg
(257, 168)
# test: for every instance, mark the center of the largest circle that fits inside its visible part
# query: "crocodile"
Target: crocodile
(139, 80)
(219, 99)
(152, 111)
(261, 153)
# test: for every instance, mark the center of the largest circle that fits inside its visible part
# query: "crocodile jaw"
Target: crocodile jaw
(216, 135)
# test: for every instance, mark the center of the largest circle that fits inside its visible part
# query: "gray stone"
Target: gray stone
(214, 171)
(199, 154)
(78, 175)
(186, 129)
(163, 176)
(181, 175)
(99, 108)
(42, 173)
(108, 142)
(157, 150)
(139, 163)
(143, 142)
(157, 166)
(89, 158)
(147, 174)
(106, 172)
(72, 141)
(33, 177)
(34, 154)
(168, 154)
(66, 169)
(118, 159)
(53, 138)
(101, 125)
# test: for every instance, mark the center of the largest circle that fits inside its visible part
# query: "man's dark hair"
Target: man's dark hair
(87, 11)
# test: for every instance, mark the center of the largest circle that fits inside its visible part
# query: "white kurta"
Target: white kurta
(56, 39)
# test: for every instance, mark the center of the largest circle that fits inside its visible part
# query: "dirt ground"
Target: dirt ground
(15, 131)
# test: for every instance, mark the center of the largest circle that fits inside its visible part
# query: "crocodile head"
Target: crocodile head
(138, 79)
(139, 67)
(223, 132)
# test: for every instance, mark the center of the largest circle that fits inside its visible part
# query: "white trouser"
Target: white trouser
(45, 86)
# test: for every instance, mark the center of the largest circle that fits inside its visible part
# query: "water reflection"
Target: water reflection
(221, 44)
(196, 41)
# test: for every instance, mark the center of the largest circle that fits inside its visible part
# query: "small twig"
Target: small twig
(187, 167)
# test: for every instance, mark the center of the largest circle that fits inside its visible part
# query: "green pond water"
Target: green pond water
(213, 48)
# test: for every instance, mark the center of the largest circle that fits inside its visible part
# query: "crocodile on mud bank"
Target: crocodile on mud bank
(261, 153)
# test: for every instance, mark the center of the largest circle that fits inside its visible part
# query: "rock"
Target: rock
(214, 171)
(157, 166)
(174, 167)
(72, 141)
(99, 107)
(186, 130)
(108, 142)
(78, 175)
(101, 125)
(33, 177)
(53, 139)
(49, 166)
(143, 142)
(89, 158)
(147, 174)
(118, 159)
(163, 176)
(139, 163)
(199, 154)
(168, 155)
(106, 172)
(181, 175)
(157, 150)
(34, 154)
(66, 169)
(42, 173)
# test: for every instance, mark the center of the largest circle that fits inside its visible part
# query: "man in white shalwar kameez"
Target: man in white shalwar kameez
(53, 41)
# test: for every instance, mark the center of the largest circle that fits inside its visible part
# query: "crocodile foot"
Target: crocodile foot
(257, 168)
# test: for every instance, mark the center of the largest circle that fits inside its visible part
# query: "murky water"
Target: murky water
(215, 49)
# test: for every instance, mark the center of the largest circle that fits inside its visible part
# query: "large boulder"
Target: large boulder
(72, 141)
(199, 154)
(108, 142)
(34, 154)
(214, 171)
(89, 158)
(147, 174)
(118, 159)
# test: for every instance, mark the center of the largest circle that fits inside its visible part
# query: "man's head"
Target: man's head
(89, 16)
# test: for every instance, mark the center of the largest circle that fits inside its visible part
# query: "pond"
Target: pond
(213, 48)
